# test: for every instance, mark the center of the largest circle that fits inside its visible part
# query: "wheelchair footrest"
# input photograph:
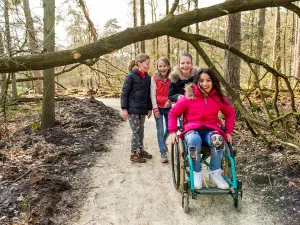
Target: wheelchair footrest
(212, 190)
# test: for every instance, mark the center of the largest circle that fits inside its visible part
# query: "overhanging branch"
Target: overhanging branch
(131, 35)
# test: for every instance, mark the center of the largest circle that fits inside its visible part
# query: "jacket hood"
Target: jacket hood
(177, 75)
(192, 91)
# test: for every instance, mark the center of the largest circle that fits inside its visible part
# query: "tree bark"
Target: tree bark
(90, 22)
(9, 49)
(32, 41)
(142, 15)
(260, 41)
(119, 40)
(136, 46)
(48, 105)
(232, 62)
(3, 75)
(276, 48)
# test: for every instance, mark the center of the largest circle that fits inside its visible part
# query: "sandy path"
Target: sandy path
(129, 193)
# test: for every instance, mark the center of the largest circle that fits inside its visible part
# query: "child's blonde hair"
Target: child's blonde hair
(142, 57)
(166, 61)
(182, 54)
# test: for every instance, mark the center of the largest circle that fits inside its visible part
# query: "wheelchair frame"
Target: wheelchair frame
(182, 166)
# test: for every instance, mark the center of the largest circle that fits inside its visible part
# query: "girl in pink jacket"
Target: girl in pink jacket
(200, 108)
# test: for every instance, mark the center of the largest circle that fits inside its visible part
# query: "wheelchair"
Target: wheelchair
(183, 178)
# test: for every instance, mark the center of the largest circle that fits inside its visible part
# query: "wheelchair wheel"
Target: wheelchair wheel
(185, 202)
(237, 202)
(226, 166)
(175, 161)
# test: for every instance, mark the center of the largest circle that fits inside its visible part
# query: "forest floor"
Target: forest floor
(78, 172)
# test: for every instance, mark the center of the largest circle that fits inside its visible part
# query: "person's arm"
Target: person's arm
(153, 97)
(126, 90)
(177, 110)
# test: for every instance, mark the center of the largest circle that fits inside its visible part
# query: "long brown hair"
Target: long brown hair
(166, 61)
(215, 81)
(142, 57)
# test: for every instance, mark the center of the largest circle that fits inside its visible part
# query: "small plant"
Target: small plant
(255, 106)
(35, 126)
(25, 205)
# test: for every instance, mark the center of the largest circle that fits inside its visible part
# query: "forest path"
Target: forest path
(128, 193)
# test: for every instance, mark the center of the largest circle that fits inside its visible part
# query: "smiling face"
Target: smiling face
(185, 65)
(144, 66)
(162, 68)
(205, 83)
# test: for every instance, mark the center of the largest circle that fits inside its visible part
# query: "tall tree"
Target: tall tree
(259, 43)
(3, 75)
(232, 62)
(9, 47)
(48, 108)
(168, 38)
(297, 50)
(142, 16)
(33, 44)
(197, 32)
(276, 49)
(134, 11)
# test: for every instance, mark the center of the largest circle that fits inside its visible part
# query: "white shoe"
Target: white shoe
(198, 180)
(216, 178)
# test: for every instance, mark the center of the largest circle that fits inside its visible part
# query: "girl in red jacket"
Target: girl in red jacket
(200, 108)
(161, 104)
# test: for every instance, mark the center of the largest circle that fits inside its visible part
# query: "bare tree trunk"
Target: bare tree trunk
(142, 15)
(90, 22)
(260, 41)
(3, 75)
(168, 38)
(136, 45)
(48, 108)
(33, 45)
(276, 48)
(188, 28)
(232, 62)
(9, 50)
(197, 32)
(297, 50)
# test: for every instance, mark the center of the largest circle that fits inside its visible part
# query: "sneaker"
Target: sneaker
(164, 157)
(216, 178)
(198, 180)
(144, 154)
(134, 157)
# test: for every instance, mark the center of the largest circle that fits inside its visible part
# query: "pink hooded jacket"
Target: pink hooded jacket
(201, 113)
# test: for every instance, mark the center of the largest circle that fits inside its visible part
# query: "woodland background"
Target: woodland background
(254, 47)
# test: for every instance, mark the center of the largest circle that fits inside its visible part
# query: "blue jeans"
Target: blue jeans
(195, 139)
(162, 133)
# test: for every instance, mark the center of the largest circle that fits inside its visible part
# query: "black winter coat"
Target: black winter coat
(136, 93)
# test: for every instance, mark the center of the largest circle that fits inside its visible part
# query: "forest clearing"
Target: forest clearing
(64, 148)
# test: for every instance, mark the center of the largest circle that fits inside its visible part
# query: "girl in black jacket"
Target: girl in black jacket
(181, 75)
(136, 104)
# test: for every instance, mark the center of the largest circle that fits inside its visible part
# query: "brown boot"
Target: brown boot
(134, 157)
(144, 154)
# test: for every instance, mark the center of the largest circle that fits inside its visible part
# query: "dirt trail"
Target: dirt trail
(126, 193)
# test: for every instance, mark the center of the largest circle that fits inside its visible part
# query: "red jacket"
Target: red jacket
(201, 113)
(159, 91)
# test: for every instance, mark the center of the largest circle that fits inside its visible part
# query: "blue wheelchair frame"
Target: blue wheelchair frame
(188, 185)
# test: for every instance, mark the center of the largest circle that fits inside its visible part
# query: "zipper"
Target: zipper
(205, 101)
